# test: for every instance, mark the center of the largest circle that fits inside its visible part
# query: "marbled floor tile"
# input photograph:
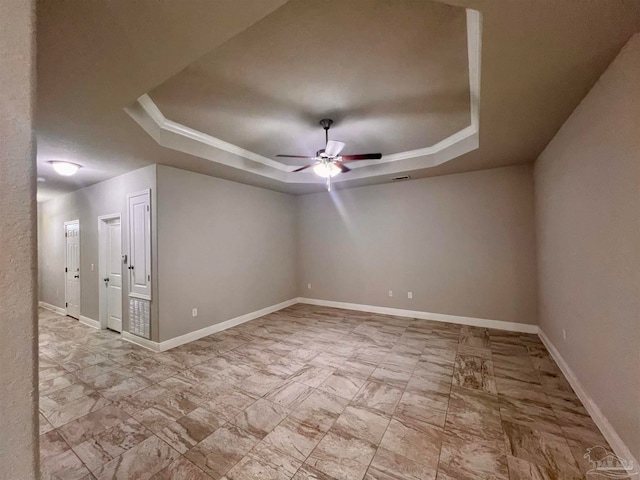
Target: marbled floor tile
(107, 445)
(363, 423)
(221, 450)
(522, 470)
(289, 395)
(391, 376)
(181, 469)
(126, 387)
(539, 447)
(320, 410)
(191, 429)
(312, 376)
(260, 383)
(415, 440)
(153, 369)
(342, 385)
(427, 408)
(469, 457)
(70, 393)
(65, 466)
(51, 372)
(45, 426)
(57, 383)
(579, 427)
(531, 415)
(52, 444)
(266, 463)
(464, 349)
(76, 409)
(474, 337)
(260, 418)
(474, 373)
(342, 456)
(307, 472)
(295, 438)
(83, 428)
(474, 412)
(378, 396)
(565, 402)
(554, 382)
(229, 404)
(140, 463)
(95, 370)
(388, 465)
(522, 391)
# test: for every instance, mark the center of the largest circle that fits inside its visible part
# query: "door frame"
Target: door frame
(102, 263)
(66, 263)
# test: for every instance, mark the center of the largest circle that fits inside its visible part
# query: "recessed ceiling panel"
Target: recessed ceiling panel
(393, 75)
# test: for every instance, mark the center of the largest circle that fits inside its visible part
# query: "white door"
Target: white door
(72, 269)
(112, 279)
(140, 245)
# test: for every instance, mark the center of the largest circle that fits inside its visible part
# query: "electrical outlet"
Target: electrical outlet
(194, 312)
(564, 334)
(391, 293)
(309, 286)
(409, 294)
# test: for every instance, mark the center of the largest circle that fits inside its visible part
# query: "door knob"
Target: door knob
(76, 276)
(106, 279)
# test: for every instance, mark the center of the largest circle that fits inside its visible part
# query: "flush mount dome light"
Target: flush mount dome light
(326, 169)
(65, 169)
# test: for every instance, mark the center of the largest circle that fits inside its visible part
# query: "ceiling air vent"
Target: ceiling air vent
(401, 177)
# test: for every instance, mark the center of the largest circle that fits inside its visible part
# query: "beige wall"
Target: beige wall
(86, 205)
(588, 223)
(462, 244)
(18, 325)
(226, 249)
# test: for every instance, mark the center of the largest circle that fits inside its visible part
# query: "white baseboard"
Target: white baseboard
(616, 443)
(52, 308)
(142, 342)
(90, 322)
(203, 332)
(438, 317)
(218, 327)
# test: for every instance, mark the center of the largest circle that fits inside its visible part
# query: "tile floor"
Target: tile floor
(309, 393)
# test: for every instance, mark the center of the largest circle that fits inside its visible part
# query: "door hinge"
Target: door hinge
(147, 208)
(66, 304)
(149, 278)
(65, 270)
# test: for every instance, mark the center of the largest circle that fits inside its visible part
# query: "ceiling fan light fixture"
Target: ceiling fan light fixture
(66, 169)
(326, 169)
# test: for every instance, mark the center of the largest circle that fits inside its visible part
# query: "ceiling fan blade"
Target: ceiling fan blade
(363, 156)
(343, 168)
(303, 168)
(295, 156)
(333, 148)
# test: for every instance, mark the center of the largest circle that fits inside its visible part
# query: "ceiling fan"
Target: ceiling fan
(328, 162)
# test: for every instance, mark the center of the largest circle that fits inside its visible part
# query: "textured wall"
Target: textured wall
(18, 326)
(86, 205)
(588, 224)
(462, 244)
(225, 248)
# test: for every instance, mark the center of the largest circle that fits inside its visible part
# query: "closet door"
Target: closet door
(139, 267)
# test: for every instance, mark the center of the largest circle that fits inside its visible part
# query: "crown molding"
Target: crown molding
(176, 136)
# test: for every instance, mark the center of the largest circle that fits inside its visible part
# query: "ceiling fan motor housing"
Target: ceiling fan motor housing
(326, 123)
